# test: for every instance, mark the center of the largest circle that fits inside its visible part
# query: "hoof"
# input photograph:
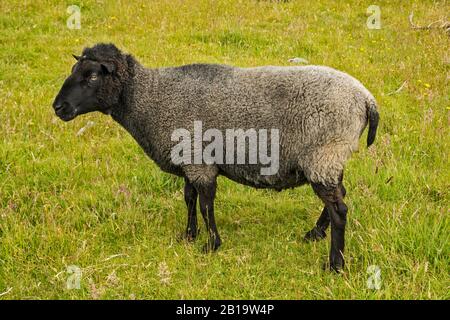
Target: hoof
(314, 235)
(210, 247)
(336, 268)
(188, 236)
(337, 263)
(326, 266)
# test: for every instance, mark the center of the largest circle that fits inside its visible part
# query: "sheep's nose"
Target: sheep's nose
(57, 104)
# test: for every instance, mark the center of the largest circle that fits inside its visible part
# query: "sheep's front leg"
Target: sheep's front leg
(333, 199)
(207, 194)
(190, 197)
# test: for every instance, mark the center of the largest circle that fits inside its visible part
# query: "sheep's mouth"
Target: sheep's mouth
(66, 112)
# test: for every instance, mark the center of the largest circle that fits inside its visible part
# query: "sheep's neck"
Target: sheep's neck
(135, 112)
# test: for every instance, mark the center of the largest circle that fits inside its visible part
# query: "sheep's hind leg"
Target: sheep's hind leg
(333, 200)
(207, 194)
(318, 232)
(190, 197)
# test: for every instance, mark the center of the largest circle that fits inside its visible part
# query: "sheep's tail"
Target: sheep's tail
(373, 117)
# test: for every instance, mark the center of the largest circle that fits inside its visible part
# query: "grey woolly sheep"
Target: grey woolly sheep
(319, 114)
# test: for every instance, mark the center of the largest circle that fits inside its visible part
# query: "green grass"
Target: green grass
(81, 200)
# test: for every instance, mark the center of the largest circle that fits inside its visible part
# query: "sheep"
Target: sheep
(319, 112)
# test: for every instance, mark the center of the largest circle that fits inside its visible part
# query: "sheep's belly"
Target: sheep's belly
(253, 178)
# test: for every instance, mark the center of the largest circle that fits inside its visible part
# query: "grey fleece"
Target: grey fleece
(320, 113)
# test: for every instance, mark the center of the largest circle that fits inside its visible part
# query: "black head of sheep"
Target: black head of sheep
(94, 84)
(78, 94)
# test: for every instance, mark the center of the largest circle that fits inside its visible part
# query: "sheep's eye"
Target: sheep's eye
(93, 77)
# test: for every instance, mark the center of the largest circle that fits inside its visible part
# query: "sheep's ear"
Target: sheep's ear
(108, 67)
(76, 57)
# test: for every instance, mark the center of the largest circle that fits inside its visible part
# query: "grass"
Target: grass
(96, 201)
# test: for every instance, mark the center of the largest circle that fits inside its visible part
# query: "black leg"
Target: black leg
(318, 232)
(333, 199)
(190, 197)
(206, 197)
